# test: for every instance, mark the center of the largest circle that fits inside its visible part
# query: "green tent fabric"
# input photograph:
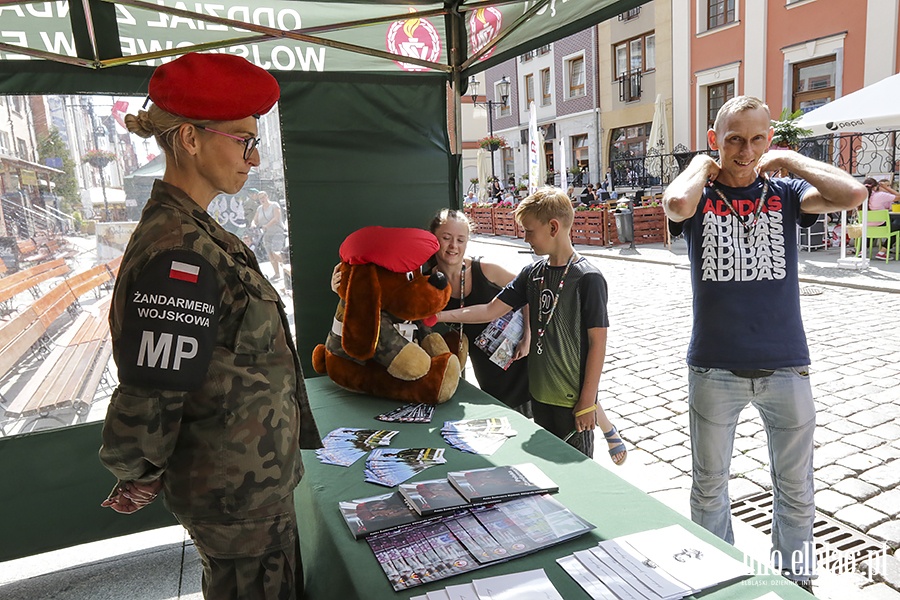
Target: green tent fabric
(367, 88)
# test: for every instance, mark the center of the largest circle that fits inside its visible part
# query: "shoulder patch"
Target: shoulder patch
(170, 323)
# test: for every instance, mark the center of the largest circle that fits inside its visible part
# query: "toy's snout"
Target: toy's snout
(438, 280)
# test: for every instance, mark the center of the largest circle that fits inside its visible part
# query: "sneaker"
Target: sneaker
(882, 254)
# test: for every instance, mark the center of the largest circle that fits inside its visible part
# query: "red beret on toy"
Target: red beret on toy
(397, 249)
(214, 87)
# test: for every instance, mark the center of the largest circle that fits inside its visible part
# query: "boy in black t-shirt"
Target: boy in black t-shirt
(566, 296)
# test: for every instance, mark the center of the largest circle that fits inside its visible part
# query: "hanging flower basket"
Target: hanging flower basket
(98, 158)
(492, 143)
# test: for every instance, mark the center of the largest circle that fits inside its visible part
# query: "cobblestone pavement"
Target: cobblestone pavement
(855, 348)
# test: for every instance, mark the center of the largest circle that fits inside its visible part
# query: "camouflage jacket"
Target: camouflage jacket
(211, 396)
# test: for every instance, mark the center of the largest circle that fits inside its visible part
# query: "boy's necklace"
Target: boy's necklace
(748, 227)
(542, 325)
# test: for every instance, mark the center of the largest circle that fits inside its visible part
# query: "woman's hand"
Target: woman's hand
(336, 278)
(131, 496)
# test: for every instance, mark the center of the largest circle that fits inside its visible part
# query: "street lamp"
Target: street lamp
(99, 132)
(503, 90)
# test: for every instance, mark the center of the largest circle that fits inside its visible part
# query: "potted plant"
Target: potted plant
(474, 181)
(787, 132)
(492, 142)
(98, 158)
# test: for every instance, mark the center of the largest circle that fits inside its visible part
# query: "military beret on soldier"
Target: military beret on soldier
(214, 87)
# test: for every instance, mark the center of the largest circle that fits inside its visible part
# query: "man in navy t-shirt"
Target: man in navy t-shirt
(748, 343)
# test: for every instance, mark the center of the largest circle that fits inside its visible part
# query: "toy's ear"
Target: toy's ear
(362, 312)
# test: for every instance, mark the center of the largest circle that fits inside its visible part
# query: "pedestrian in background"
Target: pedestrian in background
(211, 407)
(748, 344)
(268, 218)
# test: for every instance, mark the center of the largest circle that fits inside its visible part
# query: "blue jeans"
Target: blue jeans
(785, 404)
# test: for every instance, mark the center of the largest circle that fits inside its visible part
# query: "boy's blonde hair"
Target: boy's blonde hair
(547, 203)
(736, 105)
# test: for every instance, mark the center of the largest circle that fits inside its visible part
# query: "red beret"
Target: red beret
(214, 87)
(396, 249)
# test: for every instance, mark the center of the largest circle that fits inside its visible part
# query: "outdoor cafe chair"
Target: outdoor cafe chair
(879, 226)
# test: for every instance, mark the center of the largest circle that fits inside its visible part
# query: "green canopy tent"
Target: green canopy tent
(369, 110)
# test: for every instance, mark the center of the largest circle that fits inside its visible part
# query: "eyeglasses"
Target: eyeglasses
(249, 143)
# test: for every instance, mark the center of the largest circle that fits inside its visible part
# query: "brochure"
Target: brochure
(432, 496)
(501, 336)
(478, 436)
(392, 466)
(346, 445)
(468, 539)
(494, 483)
(376, 513)
(409, 413)
(661, 564)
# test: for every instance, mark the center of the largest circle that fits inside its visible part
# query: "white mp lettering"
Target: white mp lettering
(155, 353)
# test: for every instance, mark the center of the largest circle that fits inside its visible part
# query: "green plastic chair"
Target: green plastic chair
(875, 232)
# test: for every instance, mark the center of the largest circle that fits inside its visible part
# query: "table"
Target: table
(337, 566)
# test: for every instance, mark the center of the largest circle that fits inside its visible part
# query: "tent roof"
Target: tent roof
(416, 36)
(863, 111)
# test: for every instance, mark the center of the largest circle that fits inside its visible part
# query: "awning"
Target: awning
(27, 164)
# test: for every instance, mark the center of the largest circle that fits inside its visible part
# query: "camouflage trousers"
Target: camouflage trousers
(253, 558)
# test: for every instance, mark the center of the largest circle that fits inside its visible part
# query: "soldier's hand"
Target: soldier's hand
(129, 497)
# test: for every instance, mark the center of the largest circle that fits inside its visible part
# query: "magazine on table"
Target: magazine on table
(501, 336)
(432, 496)
(376, 513)
(494, 483)
(468, 539)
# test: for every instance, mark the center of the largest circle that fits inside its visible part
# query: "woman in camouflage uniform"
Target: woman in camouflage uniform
(211, 407)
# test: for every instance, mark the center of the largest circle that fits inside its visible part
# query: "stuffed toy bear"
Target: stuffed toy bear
(372, 345)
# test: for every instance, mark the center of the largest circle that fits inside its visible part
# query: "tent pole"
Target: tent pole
(457, 49)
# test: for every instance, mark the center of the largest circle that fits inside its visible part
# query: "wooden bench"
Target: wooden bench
(28, 279)
(26, 247)
(69, 372)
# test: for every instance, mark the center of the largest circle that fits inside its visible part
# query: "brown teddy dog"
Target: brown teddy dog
(371, 347)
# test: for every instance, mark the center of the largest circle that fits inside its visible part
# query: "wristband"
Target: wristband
(587, 410)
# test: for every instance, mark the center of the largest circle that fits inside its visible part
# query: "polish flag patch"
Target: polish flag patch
(184, 272)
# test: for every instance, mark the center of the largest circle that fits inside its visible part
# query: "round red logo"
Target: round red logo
(415, 38)
(484, 25)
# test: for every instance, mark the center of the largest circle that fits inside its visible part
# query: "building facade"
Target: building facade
(794, 54)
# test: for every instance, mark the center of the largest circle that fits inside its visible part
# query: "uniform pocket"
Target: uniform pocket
(261, 321)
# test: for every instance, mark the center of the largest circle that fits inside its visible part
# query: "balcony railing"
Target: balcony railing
(630, 86)
(630, 14)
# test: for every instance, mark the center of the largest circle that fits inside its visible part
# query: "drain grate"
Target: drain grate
(838, 548)
(810, 290)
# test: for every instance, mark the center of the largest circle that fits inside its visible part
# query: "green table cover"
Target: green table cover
(337, 566)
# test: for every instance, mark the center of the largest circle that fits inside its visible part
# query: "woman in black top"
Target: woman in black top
(481, 281)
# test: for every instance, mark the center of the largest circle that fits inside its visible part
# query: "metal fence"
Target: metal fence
(860, 154)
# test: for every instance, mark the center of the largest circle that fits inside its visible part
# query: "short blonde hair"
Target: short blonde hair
(739, 104)
(163, 126)
(547, 203)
